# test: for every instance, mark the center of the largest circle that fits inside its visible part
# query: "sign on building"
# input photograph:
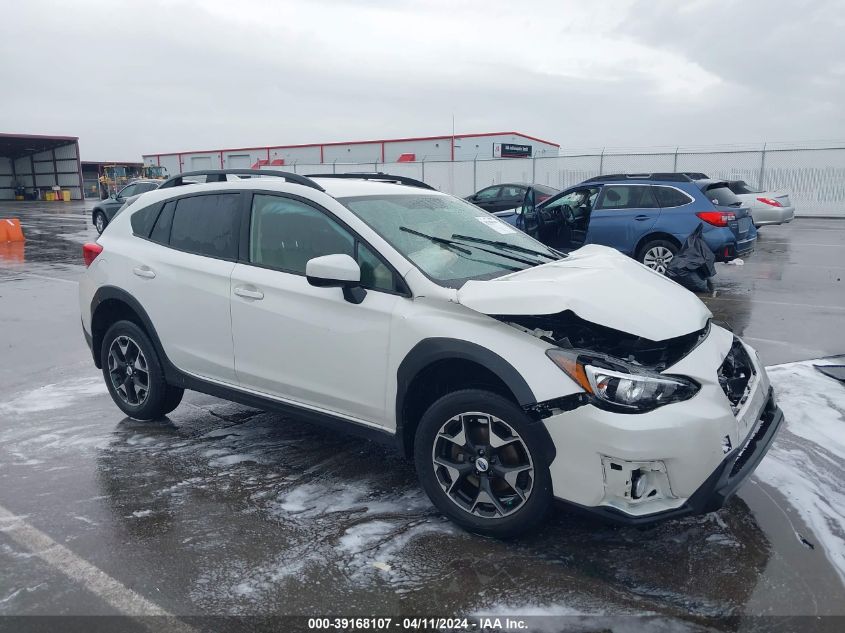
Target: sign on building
(511, 150)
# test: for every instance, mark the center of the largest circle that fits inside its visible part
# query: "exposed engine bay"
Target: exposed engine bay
(569, 331)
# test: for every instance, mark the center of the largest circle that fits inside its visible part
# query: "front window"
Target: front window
(448, 239)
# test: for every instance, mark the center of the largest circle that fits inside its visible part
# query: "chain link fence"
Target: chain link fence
(814, 175)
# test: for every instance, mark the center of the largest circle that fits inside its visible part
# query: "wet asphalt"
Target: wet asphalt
(227, 510)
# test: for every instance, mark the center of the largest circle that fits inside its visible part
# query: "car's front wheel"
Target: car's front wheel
(100, 221)
(483, 464)
(133, 373)
(657, 254)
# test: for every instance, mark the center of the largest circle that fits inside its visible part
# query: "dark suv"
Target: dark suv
(106, 209)
(646, 216)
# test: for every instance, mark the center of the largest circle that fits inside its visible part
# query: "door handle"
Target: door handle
(249, 293)
(144, 271)
(640, 218)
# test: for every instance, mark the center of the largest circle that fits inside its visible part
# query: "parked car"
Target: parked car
(105, 210)
(645, 216)
(510, 373)
(767, 207)
(506, 198)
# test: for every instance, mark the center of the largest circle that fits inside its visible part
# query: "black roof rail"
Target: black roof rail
(377, 175)
(219, 175)
(670, 176)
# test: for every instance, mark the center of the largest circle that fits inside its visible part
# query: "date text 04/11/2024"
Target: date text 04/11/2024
(490, 624)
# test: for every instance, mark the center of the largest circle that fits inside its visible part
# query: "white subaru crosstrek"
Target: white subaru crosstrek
(511, 373)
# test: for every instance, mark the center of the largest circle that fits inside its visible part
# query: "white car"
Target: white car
(512, 374)
(766, 207)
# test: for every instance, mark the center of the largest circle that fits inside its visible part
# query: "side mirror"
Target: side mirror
(336, 271)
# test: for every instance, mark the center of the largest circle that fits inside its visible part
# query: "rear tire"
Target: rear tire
(482, 462)
(100, 221)
(133, 373)
(657, 254)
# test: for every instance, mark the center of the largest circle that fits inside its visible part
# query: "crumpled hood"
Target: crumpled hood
(600, 285)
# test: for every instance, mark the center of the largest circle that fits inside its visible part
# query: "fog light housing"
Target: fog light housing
(639, 481)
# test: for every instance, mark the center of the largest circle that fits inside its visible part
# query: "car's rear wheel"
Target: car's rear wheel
(482, 462)
(657, 254)
(133, 373)
(100, 221)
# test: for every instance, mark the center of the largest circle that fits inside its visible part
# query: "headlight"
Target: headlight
(620, 386)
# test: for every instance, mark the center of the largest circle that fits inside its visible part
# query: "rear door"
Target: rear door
(623, 215)
(181, 276)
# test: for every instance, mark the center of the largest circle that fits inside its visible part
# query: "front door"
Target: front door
(304, 344)
(623, 215)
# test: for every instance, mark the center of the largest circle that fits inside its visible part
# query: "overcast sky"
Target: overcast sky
(144, 76)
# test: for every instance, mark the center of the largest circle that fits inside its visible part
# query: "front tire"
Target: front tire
(482, 462)
(133, 373)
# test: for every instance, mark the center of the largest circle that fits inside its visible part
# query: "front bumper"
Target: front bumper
(684, 451)
(720, 485)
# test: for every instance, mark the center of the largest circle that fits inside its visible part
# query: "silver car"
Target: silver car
(766, 207)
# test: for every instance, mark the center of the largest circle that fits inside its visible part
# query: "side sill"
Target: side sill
(334, 423)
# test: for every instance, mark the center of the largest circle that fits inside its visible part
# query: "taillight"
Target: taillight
(90, 252)
(717, 218)
(770, 201)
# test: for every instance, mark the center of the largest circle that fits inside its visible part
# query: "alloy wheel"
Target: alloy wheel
(100, 223)
(483, 465)
(658, 258)
(129, 371)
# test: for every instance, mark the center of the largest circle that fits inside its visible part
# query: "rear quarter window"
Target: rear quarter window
(142, 220)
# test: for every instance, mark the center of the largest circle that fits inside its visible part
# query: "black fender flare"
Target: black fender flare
(105, 293)
(431, 350)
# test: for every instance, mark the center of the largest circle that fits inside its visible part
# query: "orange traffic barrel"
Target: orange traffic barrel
(10, 230)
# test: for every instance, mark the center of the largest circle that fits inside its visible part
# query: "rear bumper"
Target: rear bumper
(720, 485)
(730, 252)
(775, 215)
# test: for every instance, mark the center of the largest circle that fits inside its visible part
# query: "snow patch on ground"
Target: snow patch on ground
(53, 396)
(806, 462)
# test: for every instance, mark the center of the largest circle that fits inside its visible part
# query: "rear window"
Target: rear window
(720, 195)
(546, 191)
(207, 225)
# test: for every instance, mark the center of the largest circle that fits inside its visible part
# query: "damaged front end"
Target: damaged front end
(618, 371)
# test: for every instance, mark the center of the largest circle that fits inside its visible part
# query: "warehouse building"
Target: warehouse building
(37, 167)
(429, 148)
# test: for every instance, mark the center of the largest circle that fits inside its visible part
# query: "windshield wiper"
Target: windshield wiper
(438, 240)
(458, 246)
(509, 246)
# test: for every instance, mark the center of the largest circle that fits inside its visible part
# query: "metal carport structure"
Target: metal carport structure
(38, 163)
